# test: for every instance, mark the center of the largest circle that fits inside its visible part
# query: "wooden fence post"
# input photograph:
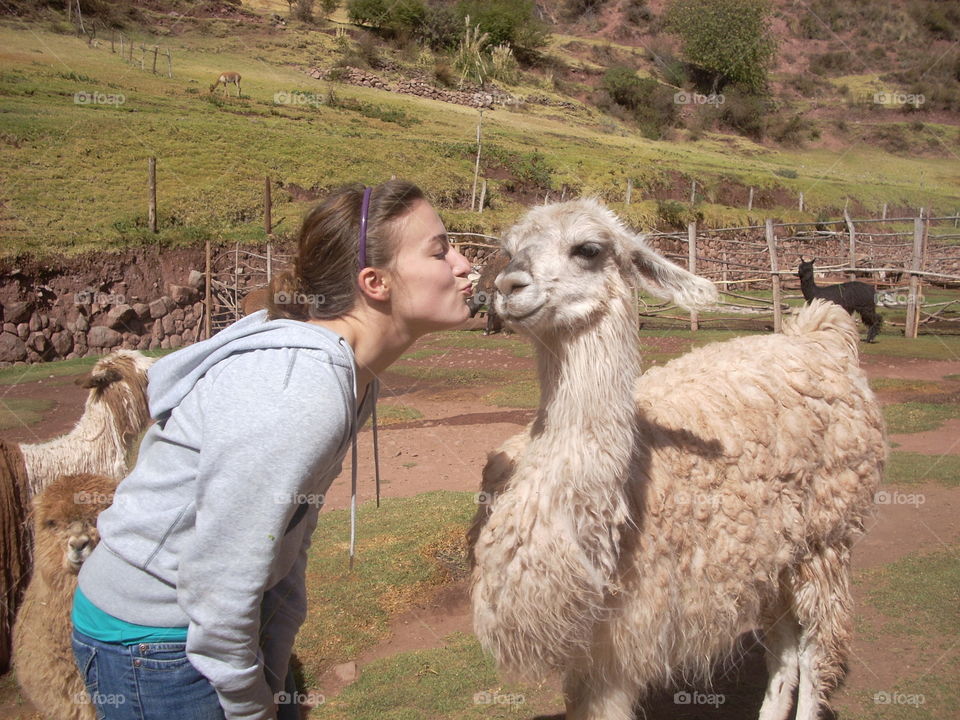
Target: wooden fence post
(269, 262)
(169, 64)
(156, 49)
(692, 260)
(483, 195)
(750, 201)
(206, 293)
(913, 300)
(476, 169)
(774, 275)
(152, 193)
(629, 191)
(800, 205)
(267, 207)
(693, 192)
(852, 232)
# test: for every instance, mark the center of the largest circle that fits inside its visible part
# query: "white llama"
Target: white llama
(642, 523)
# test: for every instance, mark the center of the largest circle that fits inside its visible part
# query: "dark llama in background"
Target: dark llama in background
(851, 296)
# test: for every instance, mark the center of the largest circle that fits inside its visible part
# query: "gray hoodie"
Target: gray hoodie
(210, 530)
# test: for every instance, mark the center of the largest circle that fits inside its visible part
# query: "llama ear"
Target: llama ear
(664, 279)
(100, 379)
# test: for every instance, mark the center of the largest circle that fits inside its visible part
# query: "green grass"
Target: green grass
(20, 412)
(912, 417)
(388, 413)
(883, 384)
(19, 374)
(516, 345)
(452, 682)
(449, 375)
(910, 468)
(404, 548)
(919, 596)
(520, 393)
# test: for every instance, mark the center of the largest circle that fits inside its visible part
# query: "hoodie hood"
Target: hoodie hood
(173, 376)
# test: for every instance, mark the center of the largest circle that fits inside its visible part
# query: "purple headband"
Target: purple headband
(364, 208)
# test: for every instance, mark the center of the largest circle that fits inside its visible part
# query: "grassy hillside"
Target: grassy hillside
(78, 124)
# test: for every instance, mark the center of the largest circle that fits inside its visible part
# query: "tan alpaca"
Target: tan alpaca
(643, 522)
(65, 528)
(227, 78)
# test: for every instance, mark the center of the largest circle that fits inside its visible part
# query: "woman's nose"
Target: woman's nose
(461, 266)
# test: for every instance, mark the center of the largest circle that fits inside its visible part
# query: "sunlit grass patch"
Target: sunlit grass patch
(912, 417)
(910, 468)
(22, 412)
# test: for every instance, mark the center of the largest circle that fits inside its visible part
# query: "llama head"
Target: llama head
(65, 522)
(570, 261)
(119, 382)
(806, 267)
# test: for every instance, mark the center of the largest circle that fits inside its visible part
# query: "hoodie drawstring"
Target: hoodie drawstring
(375, 387)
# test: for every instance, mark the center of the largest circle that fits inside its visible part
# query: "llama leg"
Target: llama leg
(782, 645)
(871, 318)
(824, 607)
(598, 698)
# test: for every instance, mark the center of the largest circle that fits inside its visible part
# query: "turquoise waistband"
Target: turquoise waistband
(95, 623)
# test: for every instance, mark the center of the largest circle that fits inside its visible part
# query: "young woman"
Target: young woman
(189, 606)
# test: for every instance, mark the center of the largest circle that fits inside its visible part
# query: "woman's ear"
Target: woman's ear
(374, 284)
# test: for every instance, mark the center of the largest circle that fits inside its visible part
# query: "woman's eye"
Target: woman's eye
(587, 250)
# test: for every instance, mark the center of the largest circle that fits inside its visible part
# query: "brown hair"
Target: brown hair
(323, 282)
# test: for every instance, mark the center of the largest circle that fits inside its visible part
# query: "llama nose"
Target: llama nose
(79, 543)
(507, 282)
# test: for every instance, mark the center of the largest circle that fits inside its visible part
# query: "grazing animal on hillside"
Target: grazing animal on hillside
(851, 296)
(65, 528)
(226, 78)
(642, 523)
(485, 292)
(114, 416)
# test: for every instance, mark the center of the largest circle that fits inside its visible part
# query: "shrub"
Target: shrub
(637, 12)
(508, 22)
(442, 27)
(470, 59)
(831, 63)
(675, 215)
(303, 10)
(503, 65)
(729, 38)
(794, 130)
(574, 9)
(650, 104)
(390, 18)
(744, 113)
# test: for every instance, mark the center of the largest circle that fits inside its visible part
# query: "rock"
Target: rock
(195, 279)
(82, 324)
(154, 344)
(176, 341)
(165, 344)
(120, 316)
(10, 328)
(17, 312)
(178, 314)
(38, 343)
(161, 306)
(178, 327)
(183, 294)
(144, 343)
(156, 332)
(36, 323)
(62, 342)
(142, 310)
(12, 348)
(103, 337)
(23, 330)
(347, 672)
(169, 325)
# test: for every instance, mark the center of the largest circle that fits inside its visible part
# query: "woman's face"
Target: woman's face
(430, 287)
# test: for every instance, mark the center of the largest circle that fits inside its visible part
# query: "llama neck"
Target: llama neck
(93, 446)
(808, 286)
(587, 386)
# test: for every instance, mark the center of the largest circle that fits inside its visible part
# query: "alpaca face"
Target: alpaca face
(119, 380)
(570, 261)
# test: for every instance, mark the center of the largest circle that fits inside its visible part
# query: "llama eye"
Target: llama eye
(587, 250)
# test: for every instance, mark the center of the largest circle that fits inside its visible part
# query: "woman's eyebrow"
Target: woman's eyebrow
(441, 238)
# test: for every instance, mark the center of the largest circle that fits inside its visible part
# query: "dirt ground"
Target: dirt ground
(445, 450)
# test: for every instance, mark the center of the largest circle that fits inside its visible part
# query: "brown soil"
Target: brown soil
(446, 449)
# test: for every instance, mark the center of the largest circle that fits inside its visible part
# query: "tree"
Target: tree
(730, 39)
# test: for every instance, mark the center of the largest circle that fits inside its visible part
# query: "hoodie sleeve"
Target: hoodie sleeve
(274, 422)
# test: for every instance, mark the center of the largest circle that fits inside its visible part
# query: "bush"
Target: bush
(637, 12)
(731, 39)
(675, 215)
(650, 104)
(391, 18)
(574, 9)
(508, 22)
(744, 113)
(831, 63)
(794, 130)
(442, 27)
(303, 10)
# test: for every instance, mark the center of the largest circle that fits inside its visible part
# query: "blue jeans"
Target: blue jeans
(150, 681)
